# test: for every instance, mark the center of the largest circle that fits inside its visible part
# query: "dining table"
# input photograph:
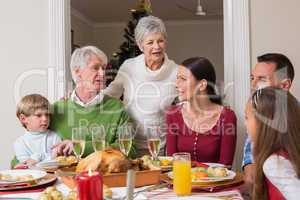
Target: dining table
(228, 190)
(140, 193)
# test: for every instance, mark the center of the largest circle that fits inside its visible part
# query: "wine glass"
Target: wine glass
(78, 138)
(125, 134)
(153, 140)
(98, 138)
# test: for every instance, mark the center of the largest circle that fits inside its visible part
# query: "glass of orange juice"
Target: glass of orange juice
(182, 182)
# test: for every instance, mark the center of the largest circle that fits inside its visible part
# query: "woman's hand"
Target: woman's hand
(249, 173)
(26, 163)
(63, 148)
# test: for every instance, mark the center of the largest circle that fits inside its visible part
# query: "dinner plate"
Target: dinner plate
(36, 174)
(47, 180)
(230, 176)
(214, 164)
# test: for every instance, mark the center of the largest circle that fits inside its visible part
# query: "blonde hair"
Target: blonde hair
(29, 104)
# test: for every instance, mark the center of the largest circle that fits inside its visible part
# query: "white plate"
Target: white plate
(50, 164)
(36, 174)
(214, 164)
(230, 176)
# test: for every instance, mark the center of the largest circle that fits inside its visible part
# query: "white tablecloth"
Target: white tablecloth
(120, 192)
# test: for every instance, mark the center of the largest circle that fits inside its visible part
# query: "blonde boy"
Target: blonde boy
(36, 144)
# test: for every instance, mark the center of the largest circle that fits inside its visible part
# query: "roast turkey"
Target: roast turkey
(106, 161)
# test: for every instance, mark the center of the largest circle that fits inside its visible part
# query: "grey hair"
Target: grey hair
(81, 56)
(146, 25)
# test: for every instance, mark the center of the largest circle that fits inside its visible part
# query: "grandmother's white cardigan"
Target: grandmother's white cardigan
(146, 94)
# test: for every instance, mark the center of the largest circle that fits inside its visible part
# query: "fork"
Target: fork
(148, 189)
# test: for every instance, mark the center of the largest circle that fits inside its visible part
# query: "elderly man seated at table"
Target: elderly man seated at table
(88, 107)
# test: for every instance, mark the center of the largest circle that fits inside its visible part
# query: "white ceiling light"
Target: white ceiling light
(199, 10)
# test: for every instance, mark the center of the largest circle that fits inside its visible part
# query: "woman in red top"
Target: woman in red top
(200, 124)
(273, 124)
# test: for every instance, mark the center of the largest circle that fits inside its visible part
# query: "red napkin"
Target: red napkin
(14, 185)
(22, 191)
(21, 166)
(196, 188)
(199, 164)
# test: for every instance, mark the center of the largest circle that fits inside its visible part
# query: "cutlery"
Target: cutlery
(148, 189)
(16, 198)
(61, 173)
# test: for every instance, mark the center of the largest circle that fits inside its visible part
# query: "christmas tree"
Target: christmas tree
(128, 49)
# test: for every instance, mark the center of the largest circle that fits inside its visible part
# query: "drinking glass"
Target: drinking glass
(125, 134)
(98, 138)
(182, 182)
(153, 140)
(78, 138)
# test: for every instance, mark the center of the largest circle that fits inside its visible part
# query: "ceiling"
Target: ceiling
(105, 11)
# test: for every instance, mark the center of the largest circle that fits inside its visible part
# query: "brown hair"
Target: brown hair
(277, 114)
(202, 68)
(29, 104)
(282, 64)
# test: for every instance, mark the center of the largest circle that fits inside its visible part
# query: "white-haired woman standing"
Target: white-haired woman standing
(88, 106)
(147, 82)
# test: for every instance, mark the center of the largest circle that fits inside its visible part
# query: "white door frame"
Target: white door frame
(59, 46)
(236, 54)
(237, 64)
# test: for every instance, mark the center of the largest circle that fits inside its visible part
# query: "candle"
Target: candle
(89, 186)
(130, 183)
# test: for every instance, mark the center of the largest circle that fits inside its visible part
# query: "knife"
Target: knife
(16, 198)
(151, 188)
(61, 173)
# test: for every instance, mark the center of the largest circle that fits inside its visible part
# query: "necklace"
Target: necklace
(203, 121)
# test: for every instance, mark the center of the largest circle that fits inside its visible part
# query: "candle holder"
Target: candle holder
(90, 185)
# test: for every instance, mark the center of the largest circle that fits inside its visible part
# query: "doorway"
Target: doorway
(236, 55)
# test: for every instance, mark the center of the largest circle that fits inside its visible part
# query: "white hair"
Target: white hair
(81, 56)
(146, 25)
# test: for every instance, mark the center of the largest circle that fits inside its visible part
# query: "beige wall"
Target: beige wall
(197, 39)
(185, 39)
(24, 53)
(275, 27)
(109, 37)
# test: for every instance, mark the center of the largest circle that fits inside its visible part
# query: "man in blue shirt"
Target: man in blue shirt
(272, 69)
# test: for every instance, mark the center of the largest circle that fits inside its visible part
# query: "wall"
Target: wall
(275, 27)
(83, 31)
(109, 37)
(202, 38)
(185, 39)
(24, 55)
